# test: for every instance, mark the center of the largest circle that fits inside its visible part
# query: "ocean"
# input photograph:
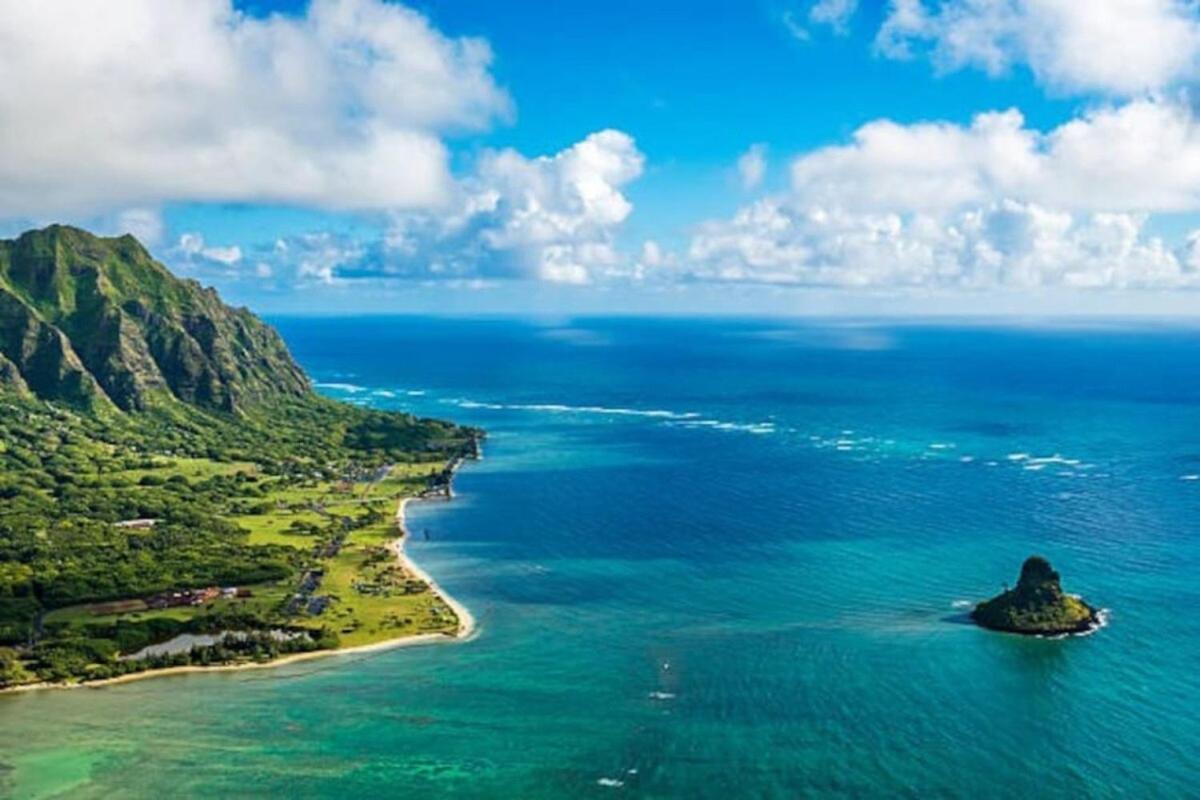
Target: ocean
(727, 558)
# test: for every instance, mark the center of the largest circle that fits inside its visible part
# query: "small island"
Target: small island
(1037, 606)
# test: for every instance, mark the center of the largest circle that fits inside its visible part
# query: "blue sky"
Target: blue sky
(695, 84)
(923, 156)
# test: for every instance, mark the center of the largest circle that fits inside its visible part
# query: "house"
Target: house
(136, 524)
(202, 596)
(317, 605)
(183, 597)
(311, 580)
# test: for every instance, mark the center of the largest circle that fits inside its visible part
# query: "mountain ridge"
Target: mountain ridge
(99, 324)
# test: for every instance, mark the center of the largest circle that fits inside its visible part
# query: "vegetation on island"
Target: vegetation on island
(166, 469)
(1037, 605)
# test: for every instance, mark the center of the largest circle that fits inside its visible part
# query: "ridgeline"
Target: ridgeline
(93, 322)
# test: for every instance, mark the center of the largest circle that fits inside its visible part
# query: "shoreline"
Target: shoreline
(467, 624)
(467, 628)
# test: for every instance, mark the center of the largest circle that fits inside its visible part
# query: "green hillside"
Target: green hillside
(153, 441)
(95, 322)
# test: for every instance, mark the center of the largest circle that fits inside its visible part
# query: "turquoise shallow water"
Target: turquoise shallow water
(718, 559)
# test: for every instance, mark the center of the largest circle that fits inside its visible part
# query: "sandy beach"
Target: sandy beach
(466, 621)
(467, 627)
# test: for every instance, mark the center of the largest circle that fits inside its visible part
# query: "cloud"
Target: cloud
(1118, 47)
(132, 104)
(316, 257)
(795, 27)
(1007, 244)
(752, 166)
(550, 218)
(1142, 156)
(192, 247)
(834, 13)
(144, 223)
(990, 204)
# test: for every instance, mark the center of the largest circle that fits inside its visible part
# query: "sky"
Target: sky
(663, 157)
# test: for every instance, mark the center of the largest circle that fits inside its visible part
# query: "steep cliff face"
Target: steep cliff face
(97, 322)
(10, 377)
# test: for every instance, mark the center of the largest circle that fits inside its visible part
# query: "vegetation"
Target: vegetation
(155, 442)
(97, 322)
(1036, 605)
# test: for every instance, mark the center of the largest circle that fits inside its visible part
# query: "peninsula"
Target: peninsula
(1037, 605)
(174, 493)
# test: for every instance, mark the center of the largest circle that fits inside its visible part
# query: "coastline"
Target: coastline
(467, 628)
(467, 624)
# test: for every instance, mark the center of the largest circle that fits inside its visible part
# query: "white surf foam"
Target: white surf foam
(687, 419)
(341, 387)
(476, 404)
(1055, 459)
(563, 408)
(654, 413)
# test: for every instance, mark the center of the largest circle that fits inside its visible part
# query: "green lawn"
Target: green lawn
(275, 527)
(191, 468)
(395, 605)
(404, 607)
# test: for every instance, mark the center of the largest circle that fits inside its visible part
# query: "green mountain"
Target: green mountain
(155, 441)
(96, 322)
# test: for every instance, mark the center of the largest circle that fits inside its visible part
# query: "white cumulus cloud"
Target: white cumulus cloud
(550, 218)
(1143, 156)
(1007, 244)
(139, 102)
(991, 203)
(192, 246)
(1121, 47)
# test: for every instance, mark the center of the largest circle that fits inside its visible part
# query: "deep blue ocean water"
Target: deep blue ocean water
(728, 559)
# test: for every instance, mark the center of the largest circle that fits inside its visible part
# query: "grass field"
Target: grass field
(277, 527)
(191, 468)
(375, 599)
(372, 598)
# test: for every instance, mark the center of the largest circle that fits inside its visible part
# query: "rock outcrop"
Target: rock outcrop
(1037, 605)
